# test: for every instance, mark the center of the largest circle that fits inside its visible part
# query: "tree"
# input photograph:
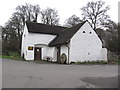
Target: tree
(49, 16)
(1, 40)
(28, 12)
(110, 36)
(10, 42)
(72, 21)
(24, 13)
(13, 30)
(119, 39)
(110, 25)
(95, 13)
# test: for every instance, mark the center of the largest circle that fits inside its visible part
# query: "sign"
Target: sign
(30, 48)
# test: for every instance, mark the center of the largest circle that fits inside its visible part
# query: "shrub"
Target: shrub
(14, 54)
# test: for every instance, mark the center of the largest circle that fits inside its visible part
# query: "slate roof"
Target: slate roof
(34, 27)
(63, 34)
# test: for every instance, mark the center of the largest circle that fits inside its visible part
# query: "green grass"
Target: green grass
(11, 57)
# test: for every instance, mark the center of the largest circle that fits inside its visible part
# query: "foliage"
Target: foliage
(28, 12)
(10, 40)
(50, 16)
(110, 36)
(13, 29)
(12, 55)
(95, 13)
(72, 21)
(118, 48)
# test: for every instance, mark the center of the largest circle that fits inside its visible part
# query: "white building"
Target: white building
(60, 44)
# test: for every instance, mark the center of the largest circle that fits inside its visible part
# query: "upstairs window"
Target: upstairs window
(90, 32)
(83, 31)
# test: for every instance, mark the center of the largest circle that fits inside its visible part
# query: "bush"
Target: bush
(14, 54)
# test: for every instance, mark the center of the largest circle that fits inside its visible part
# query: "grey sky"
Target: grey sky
(66, 8)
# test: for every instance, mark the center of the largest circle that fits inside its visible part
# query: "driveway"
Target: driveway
(22, 74)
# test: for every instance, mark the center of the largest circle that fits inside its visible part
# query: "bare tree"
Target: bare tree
(95, 13)
(36, 12)
(72, 21)
(28, 12)
(13, 30)
(49, 16)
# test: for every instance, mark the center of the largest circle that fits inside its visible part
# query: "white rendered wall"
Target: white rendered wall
(24, 41)
(46, 51)
(32, 39)
(63, 49)
(55, 55)
(104, 54)
(85, 46)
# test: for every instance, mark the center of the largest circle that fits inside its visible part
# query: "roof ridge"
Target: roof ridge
(46, 24)
(65, 36)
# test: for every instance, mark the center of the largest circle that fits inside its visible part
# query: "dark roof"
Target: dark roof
(63, 34)
(34, 27)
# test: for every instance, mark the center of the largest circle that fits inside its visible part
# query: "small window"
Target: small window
(83, 31)
(30, 48)
(90, 32)
(24, 35)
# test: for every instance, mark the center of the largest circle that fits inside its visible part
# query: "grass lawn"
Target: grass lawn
(11, 57)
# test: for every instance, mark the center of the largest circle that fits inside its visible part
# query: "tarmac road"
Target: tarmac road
(22, 74)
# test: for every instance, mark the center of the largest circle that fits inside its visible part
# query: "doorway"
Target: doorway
(58, 54)
(38, 53)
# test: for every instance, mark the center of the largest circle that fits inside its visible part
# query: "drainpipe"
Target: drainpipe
(68, 52)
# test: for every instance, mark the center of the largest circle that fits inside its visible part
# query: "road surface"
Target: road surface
(22, 74)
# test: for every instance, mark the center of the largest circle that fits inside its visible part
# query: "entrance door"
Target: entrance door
(37, 53)
(58, 54)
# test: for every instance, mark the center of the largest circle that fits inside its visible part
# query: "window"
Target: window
(90, 32)
(30, 48)
(83, 31)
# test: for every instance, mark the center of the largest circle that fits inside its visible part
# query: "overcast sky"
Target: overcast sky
(66, 8)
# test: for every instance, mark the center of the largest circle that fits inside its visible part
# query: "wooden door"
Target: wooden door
(58, 54)
(38, 53)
